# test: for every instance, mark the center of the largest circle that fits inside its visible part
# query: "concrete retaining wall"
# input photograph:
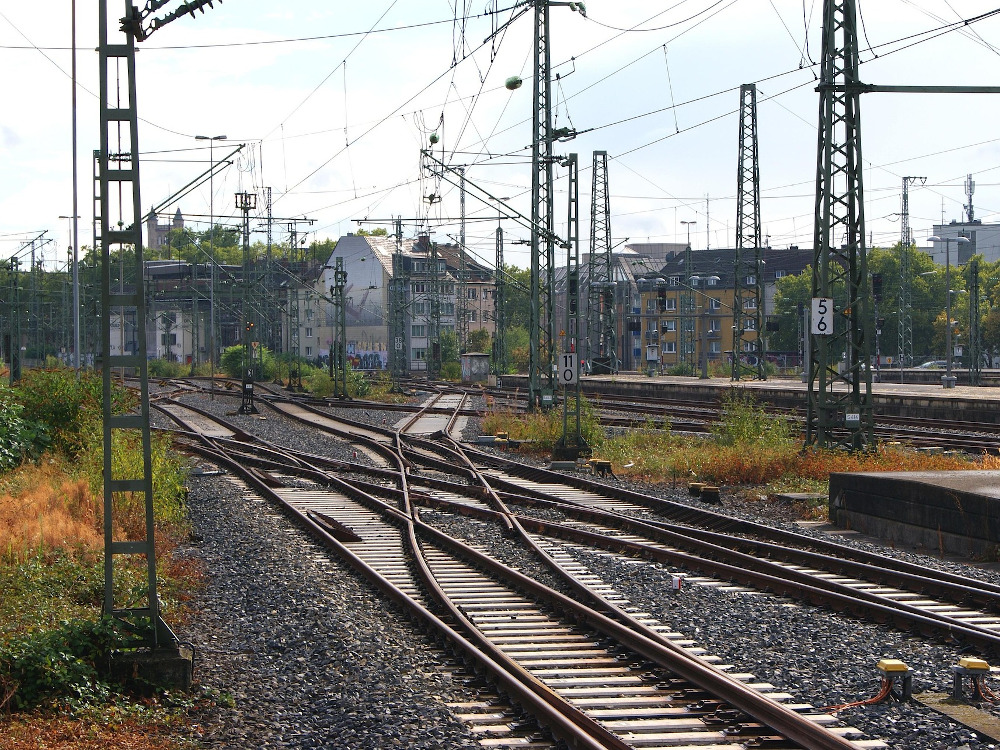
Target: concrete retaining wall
(956, 512)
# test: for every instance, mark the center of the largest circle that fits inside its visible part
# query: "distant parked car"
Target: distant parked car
(937, 364)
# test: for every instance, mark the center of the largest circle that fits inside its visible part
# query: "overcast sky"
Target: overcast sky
(334, 118)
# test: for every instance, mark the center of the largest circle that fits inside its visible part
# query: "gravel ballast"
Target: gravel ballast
(312, 657)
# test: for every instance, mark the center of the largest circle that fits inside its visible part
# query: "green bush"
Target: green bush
(682, 369)
(162, 368)
(63, 401)
(63, 664)
(743, 421)
(318, 383)
(451, 371)
(20, 438)
(233, 364)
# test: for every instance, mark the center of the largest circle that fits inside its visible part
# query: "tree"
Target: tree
(321, 250)
(791, 292)
(195, 247)
(449, 346)
(518, 296)
(376, 232)
(479, 340)
(518, 348)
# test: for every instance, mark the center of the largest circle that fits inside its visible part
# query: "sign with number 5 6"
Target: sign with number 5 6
(822, 316)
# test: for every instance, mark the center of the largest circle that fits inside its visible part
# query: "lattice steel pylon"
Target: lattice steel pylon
(904, 300)
(541, 338)
(246, 202)
(434, 319)
(748, 295)
(601, 320)
(294, 348)
(975, 333)
(686, 313)
(397, 312)
(14, 321)
(572, 445)
(338, 347)
(500, 310)
(462, 288)
(839, 417)
(118, 176)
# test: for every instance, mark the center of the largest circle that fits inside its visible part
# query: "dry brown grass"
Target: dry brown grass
(50, 733)
(43, 510)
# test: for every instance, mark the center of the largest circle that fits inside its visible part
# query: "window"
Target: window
(309, 351)
(472, 316)
(669, 325)
(674, 281)
(714, 347)
(309, 332)
(672, 304)
(670, 347)
(419, 308)
(748, 346)
(473, 293)
(650, 304)
(750, 303)
(419, 354)
(418, 288)
(779, 274)
(714, 304)
(448, 308)
(168, 339)
(450, 328)
(751, 280)
(712, 281)
(448, 289)
(714, 325)
(309, 313)
(418, 330)
(749, 324)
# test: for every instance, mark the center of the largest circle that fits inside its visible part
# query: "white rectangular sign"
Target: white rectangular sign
(822, 316)
(568, 368)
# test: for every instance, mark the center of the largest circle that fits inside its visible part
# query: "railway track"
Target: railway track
(442, 478)
(538, 634)
(877, 587)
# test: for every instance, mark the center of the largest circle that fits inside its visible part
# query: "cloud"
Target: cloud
(9, 138)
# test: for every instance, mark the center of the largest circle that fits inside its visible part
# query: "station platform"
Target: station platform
(914, 400)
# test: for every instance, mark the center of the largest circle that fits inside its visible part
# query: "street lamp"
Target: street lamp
(703, 281)
(211, 251)
(947, 380)
(688, 225)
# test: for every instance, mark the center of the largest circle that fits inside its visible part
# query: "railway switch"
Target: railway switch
(899, 678)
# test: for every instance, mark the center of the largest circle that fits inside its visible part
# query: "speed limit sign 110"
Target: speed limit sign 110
(568, 368)
(822, 316)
